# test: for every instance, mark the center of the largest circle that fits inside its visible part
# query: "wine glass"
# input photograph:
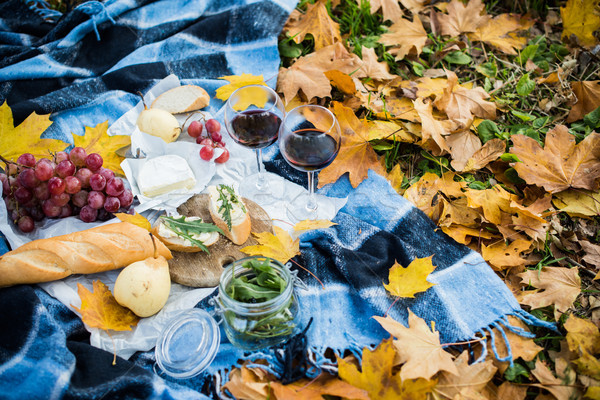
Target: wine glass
(253, 114)
(309, 140)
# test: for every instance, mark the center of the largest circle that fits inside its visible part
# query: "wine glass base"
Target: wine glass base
(297, 209)
(270, 191)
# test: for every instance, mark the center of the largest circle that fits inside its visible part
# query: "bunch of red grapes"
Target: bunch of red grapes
(72, 183)
(213, 139)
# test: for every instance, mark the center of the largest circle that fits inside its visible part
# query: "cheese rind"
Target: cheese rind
(165, 174)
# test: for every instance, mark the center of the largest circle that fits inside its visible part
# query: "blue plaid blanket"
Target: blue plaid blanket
(86, 68)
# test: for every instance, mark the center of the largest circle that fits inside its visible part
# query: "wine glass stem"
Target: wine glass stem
(311, 205)
(260, 181)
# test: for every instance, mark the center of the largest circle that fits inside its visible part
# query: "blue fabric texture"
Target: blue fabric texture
(85, 68)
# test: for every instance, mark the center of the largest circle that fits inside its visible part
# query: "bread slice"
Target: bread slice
(177, 243)
(182, 99)
(239, 231)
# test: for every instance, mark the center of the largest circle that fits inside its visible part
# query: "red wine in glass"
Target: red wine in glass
(310, 149)
(255, 129)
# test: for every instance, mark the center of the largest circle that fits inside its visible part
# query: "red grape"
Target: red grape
(94, 161)
(83, 174)
(126, 198)
(5, 184)
(26, 224)
(72, 184)
(10, 202)
(112, 204)
(41, 191)
(12, 169)
(96, 199)
(77, 156)
(26, 159)
(205, 141)
(114, 187)
(44, 169)
(66, 211)
(36, 213)
(88, 214)
(80, 198)
(195, 129)
(56, 185)
(65, 168)
(97, 182)
(212, 125)
(61, 156)
(223, 157)
(216, 136)
(220, 144)
(50, 209)
(206, 153)
(106, 173)
(27, 178)
(60, 199)
(23, 195)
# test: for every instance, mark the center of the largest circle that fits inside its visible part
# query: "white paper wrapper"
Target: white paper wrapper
(241, 164)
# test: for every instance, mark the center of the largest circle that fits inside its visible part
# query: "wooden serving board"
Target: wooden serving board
(203, 269)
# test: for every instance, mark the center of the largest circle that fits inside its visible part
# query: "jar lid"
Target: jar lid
(187, 344)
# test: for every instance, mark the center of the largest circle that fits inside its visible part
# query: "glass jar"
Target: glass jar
(253, 326)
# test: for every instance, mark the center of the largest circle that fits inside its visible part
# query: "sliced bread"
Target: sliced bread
(182, 99)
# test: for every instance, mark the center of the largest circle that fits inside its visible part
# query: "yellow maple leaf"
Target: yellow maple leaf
(377, 376)
(97, 140)
(136, 219)
(582, 334)
(99, 309)
(308, 224)
(341, 81)
(503, 256)
(406, 282)
(279, 246)
(256, 97)
(317, 22)
(396, 176)
(356, 155)
(25, 138)
(579, 18)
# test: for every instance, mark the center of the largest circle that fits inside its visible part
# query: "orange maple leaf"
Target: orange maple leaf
(356, 154)
(99, 309)
(587, 94)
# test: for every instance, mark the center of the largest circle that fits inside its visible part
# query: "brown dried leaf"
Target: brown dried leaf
(558, 286)
(433, 131)
(245, 384)
(314, 389)
(405, 37)
(491, 150)
(474, 377)
(560, 389)
(561, 164)
(389, 8)
(418, 348)
(587, 94)
(372, 68)
(317, 22)
(461, 104)
(462, 145)
(462, 18)
(500, 33)
(308, 72)
(592, 253)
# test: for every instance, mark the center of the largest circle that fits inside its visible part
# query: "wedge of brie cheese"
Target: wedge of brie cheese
(165, 174)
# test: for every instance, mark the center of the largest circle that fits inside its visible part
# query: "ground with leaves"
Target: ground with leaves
(485, 116)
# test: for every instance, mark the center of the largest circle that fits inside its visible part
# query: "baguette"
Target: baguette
(182, 99)
(229, 213)
(98, 249)
(177, 243)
